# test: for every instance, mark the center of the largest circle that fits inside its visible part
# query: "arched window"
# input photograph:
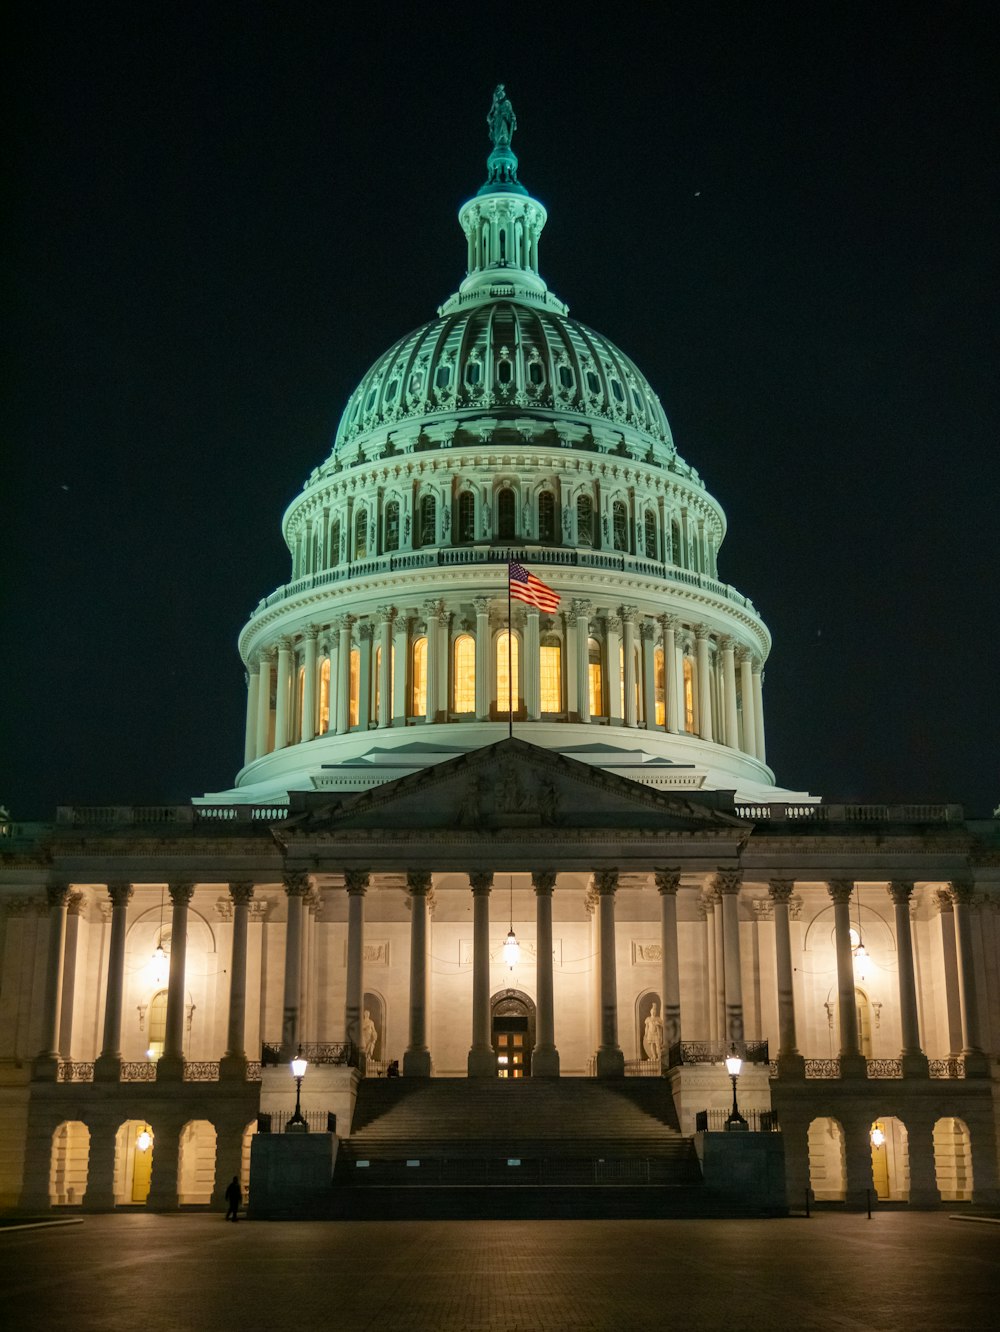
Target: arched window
(505, 371)
(418, 679)
(391, 526)
(507, 670)
(506, 515)
(546, 516)
(428, 521)
(335, 544)
(361, 535)
(619, 518)
(675, 543)
(466, 516)
(317, 558)
(650, 534)
(157, 1019)
(689, 696)
(595, 680)
(355, 685)
(464, 688)
(659, 687)
(324, 696)
(584, 521)
(550, 674)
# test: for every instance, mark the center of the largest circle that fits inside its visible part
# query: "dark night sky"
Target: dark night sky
(785, 213)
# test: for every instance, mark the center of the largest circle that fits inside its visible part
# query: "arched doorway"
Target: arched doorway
(953, 1160)
(68, 1168)
(133, 1162)
(512, 1031)
(827, 1169)
(196, 1164)
(890, 1159)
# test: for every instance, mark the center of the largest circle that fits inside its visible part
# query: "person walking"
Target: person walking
(234, 1196)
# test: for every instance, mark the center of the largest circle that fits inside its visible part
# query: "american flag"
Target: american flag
(525, 586)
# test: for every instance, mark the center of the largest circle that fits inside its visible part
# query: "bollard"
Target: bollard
(868, 1196)
(807, 1205)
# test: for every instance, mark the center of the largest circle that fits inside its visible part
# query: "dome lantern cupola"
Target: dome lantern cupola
(502, 224)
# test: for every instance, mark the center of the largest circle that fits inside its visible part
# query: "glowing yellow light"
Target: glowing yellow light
(877, 1135)
(144, 1141)
(511, 949)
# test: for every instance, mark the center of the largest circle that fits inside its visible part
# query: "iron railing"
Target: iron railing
(952, 1067)
(138, 1070)
(318, 1121)
(758, 1121)
(884, 1068)
(471, 1172)
(780, 811)
(317, 1052)
(716, 1052)
(201, 1070)
(643, 1068)
(74, 1071)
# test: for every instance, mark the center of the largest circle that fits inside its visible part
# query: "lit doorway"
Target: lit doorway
(512, 1029)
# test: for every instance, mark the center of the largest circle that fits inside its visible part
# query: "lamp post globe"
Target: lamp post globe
(297, 1123)
(734, 1065)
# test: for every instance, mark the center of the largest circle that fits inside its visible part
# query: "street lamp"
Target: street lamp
(733, 1066)
(297, 1123)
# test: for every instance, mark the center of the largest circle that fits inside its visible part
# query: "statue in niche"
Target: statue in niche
(652, 1036)
(501, 118)
(369, 1035)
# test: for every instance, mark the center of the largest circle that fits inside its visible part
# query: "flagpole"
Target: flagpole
(510, 659)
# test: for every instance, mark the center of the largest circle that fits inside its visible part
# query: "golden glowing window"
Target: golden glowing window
(621, 680)
(301, 692)
(464, 690)
(324, 696)
(688, 696)
(659, 687)
(377, 672)
(418, 697)
(551, 677)
(595, 680)
(355, 684)
(506, 669)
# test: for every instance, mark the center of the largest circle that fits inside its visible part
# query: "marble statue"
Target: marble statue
(501, 119)
(652, 1036)
(369, 1035)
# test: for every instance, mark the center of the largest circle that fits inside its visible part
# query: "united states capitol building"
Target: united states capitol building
(535, 863)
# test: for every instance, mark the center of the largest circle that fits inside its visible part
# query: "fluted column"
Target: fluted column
(57, 895)
(668, 625)
(366, 633)
(307, 730)
(482, 1059)
(343, 674)
(647, 633)
(852, 1062)
(732, 737)
(234, 1061)
(433, 611)
(264, 703)
(283, 692)
(613, 656)
(532, 665)
(668, 881)
(701, 634)
(949, 962)
(356, 883)
(171, 1064)
(963, 896)
(579, 618)
(400, 672)
(729, 883)
(545, 1057)
(109, 1062)
(758, 711)
(628, 614)
(482, 605)
(417, 1057)
(913, 1058)
(253, 688)
(610, 1060)
(296, 890)
(790, 1062)
(746, 692)
(385, 618)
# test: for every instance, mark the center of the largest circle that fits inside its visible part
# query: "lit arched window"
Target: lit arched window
(546, 516)
(324, 696)
(507, 671)
(650, 531)
(355, 685)
(585, 521)
(659, 687)
(361, 535)
(619, 518)
(464, 690)
(428, 521)
(688, 696)
(506, 515)
(466, 516)
(418, 679)
(595, 681)
(550, 675)
(157, 1018)
(391, 526)
(335, 544)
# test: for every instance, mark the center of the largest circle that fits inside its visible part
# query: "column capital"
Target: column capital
(613, 624)
(481, 882)
(543, 882)
(242, 892)
(943, 902)
(743, 654)
(647, 631)
(728, 882)
(579, 608)
(418, 882)
(386, 614)
(606, 882)
(296, 883)
(366, 631)
(628, 614)
(701, 632)
(344, 623)
(781, 890)
(900, 891)
(356, 882)
(482, 605)
(283, 644)
(57, 894)
(840, 890)
(180, 893)
(727, 644)
(668, 881)
(120, 893)
(963, 892)
(311, 631)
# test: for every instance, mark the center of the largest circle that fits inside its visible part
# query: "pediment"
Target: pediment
(509, 785)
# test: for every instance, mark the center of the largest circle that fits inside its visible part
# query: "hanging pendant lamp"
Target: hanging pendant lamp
(511, 948)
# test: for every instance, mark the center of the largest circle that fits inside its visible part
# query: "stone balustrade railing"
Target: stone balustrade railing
(782, 812)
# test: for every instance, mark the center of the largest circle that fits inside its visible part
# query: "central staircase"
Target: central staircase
(461, 1147)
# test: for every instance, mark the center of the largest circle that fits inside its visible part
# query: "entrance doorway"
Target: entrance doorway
(512, 1028)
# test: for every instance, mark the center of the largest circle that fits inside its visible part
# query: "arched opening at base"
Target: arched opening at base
(953, 1160)
(246, 1149)
(827, 1163)
(69, 1164)
(196, 1165)
(133, 1162)
(512, 1031)
(890, 1159)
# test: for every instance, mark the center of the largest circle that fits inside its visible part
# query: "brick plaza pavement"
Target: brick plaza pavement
(199, 1274)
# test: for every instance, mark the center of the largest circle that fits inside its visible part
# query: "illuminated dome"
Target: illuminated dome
(503, 430)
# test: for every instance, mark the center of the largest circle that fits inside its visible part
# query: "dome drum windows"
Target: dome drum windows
(619, 524)
(427, 521)
(649, 535)
(506, 515)
(361, 535)
(547, 524)
(584, 521)
(390, 540)
(466, 526)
